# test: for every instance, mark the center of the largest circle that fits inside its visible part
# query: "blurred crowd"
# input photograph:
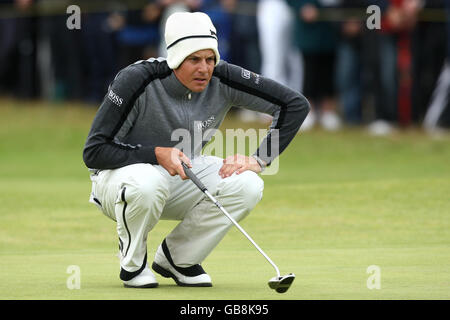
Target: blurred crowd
(357, 68)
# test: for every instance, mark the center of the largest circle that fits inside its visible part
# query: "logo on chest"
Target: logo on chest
(202, 125)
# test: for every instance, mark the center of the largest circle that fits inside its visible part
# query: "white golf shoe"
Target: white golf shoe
(193, 276)
(145, 279)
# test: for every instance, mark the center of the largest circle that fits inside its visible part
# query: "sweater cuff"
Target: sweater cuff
(147, 154)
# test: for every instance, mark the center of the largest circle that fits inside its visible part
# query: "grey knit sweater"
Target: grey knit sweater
(146, 103)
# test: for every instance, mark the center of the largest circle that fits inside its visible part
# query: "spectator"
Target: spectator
(244, 46)
(438, 114)
(317, 41)
(99, 50)
(428, 56)
(8, 36)
(221, 17)
(18, 49)
(138, 33)
(350, 60)
(393, 94)
(280, 58)
(167, 8)
(66, 53)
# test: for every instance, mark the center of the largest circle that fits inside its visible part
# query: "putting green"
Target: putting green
(353, 216)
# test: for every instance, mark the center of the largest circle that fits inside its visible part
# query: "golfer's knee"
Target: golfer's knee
(249, 187)
(147, 188)
(253, 190)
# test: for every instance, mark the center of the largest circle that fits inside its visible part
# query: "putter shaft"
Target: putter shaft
(202, 187)
(242, 230)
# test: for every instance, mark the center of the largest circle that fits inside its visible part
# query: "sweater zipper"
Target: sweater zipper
(186, 100)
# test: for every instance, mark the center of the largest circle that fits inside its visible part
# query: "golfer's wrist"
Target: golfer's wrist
(262, 164)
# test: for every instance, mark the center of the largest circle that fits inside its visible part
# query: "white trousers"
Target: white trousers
(138, 196)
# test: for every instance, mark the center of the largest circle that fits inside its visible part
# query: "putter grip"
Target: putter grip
(193, 177)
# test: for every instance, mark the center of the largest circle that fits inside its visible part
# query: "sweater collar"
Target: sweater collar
(174, 87)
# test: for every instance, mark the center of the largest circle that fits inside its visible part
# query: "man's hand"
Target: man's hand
(170, 159)
(238, 163)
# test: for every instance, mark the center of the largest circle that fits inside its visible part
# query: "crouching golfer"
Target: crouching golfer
(135, 159)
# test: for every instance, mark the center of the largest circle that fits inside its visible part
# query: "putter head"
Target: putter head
(281, 284)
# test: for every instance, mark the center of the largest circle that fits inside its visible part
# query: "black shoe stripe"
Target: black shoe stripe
(167, 274)
(191, 271)
(126, 275)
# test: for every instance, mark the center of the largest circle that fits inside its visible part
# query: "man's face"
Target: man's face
(196, 70)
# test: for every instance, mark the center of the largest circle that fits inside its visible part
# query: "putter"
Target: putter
(279, 283)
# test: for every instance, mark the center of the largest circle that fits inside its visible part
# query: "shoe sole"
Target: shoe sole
(167, 274)
(144, 286)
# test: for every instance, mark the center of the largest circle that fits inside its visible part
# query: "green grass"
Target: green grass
(339, 203)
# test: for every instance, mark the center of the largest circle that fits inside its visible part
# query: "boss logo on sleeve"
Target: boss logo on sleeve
(115, 98)
(248, 75)
(245, 74)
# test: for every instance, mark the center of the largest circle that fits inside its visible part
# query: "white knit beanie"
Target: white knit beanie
(186, 33)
